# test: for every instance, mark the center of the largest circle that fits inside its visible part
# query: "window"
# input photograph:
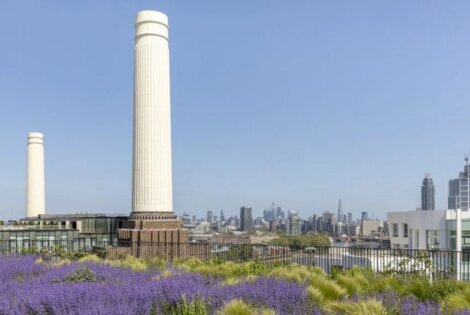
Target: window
(451, 234)
(433, 239)
(405, 229)
(466, 234)
(395, 229)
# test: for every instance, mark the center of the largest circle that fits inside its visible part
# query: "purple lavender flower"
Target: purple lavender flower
(30, 288)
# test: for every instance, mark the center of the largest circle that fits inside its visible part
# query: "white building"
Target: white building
(438, 229)
(371, 227)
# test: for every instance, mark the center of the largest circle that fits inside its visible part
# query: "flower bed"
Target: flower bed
(30, 285)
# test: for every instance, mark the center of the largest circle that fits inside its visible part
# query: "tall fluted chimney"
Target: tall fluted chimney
(152, 174)
(35, 194)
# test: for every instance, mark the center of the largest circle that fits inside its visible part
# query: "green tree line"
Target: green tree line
(318, 240)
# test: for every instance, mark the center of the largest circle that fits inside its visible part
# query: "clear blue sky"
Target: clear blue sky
(297, 102)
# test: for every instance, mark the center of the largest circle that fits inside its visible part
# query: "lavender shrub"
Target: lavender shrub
(31, 288)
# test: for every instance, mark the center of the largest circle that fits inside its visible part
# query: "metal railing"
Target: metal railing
(432, 263)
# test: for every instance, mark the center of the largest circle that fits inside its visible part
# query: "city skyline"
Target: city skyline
(259, 213)
(287, 136)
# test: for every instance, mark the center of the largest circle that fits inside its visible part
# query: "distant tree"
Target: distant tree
(318, 240)
(263, 229)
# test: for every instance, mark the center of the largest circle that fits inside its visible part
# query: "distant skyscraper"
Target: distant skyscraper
(272, 226)
(340, 211)
(364, 215)
(222, 215)
(314, 223)
(209, 216)
(246, 219)
(294, 224)
(427, 193)
(333, 222)
(350, 218)
(459, 190)
(186, 218)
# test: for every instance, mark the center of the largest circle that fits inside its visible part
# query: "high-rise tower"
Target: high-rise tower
(246, 219)
(427, 193)
(340, 211)
(152, 178)
(35, 191)
(459, 190)
(209, 216)
(364, 215)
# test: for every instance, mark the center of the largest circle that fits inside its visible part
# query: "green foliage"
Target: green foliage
(194, 307)
(290, 275)
(336, 271)
(442, 288)
(226, 270)
(217, 260)
(156, 263)
(353, 284)
(231, 281)
(383, 283)
(318, 240)
(236, 307)
(365, 281)
(240, 252)
(258, 268)
(315, 297)
(74, 255)
(458, 301)
(370, 307)
(329, 289)
(296, 273)
(133, 263)
(451, 270)
(92, 258)
(81, 275)
(192, 263)
(56, 251)
(420, 265)
(100, 252)
(30, 250)
(239, 307)
(419, 286)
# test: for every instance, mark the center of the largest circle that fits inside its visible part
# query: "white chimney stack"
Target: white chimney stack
(35, 194)
(152, 174)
